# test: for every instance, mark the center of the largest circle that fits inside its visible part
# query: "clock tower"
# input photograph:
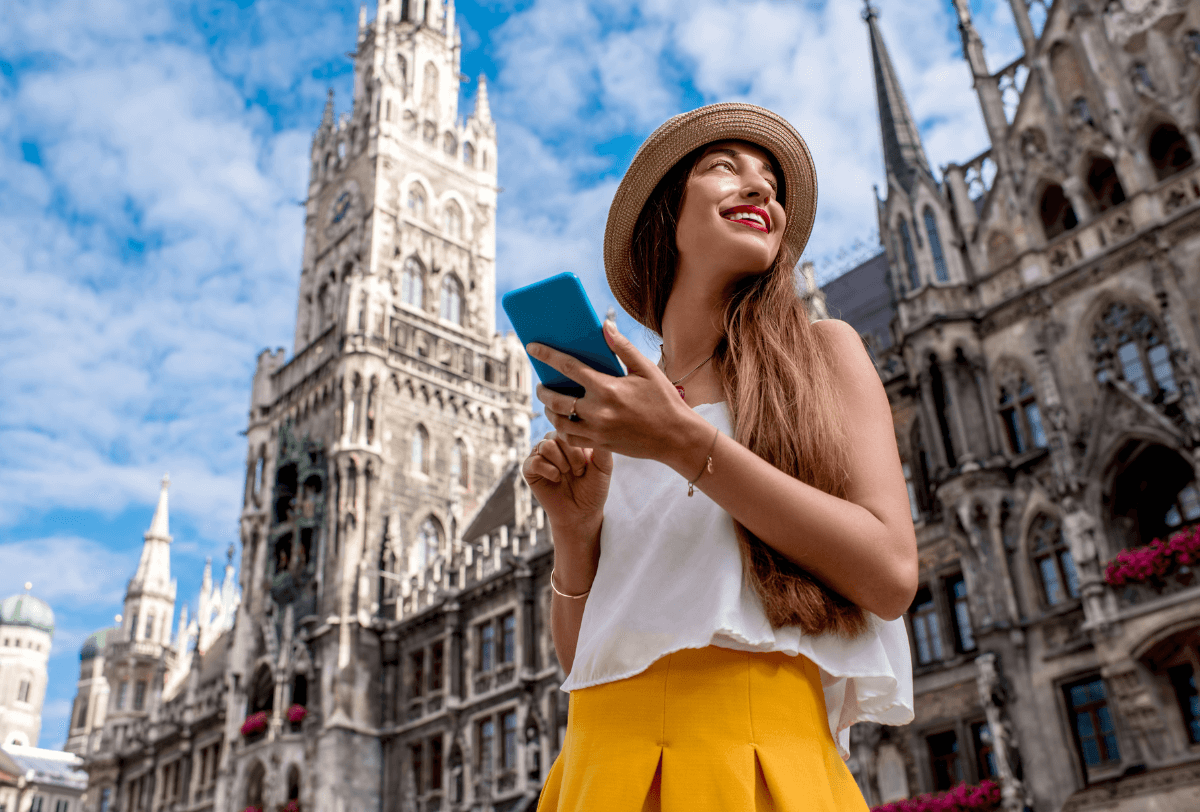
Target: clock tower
(372, 447)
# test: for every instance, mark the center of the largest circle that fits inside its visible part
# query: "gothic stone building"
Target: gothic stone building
(372, 449)
(1034, 319)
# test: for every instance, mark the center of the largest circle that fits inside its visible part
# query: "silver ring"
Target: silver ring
(573, 417)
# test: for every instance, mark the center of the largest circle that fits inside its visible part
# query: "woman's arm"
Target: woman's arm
(576, 556)
(863, 547)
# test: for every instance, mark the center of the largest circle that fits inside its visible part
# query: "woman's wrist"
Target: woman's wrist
(692, 443)
(575, 566)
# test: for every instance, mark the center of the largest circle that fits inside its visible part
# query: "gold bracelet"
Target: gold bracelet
(707, 463)
(562, 594)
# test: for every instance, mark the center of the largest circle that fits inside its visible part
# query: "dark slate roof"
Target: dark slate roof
(498, 506)
(96, 642)
(863, 297)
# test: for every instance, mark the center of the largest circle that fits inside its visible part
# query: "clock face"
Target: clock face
(341, 206)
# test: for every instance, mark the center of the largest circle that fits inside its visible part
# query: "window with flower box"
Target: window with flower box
(944, 763)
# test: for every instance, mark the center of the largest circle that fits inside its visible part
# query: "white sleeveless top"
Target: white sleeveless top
(670, 578)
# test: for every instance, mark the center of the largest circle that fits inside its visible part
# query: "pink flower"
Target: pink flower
(296, 714)
(255, 723)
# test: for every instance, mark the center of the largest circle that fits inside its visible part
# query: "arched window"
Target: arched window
(429, 542)
(452, 300)
(458, 463)
(449, 143)
(416, 201)
(910, 259)
(468, 153)
(412, 283)
(1105, 185)
(293, 783)
(149, 630)
(1052, 561)
(935, 246)
(262, 690)
(1185, 508)
(254, 785)
(1126, 341)
(1168, 151)
(1022, 417)
(452, 220)
(429, 90)
(1058, 215)
(420, 450)
(402, 75)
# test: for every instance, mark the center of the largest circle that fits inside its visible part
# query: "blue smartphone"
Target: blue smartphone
(556, 312)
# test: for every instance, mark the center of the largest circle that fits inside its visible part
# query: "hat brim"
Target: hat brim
(675, 139)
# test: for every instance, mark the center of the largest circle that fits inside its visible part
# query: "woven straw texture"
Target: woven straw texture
(675, 139)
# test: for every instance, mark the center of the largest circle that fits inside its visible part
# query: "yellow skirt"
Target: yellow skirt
(703, 730)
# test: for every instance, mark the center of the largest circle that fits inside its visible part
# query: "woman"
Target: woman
(719, 647)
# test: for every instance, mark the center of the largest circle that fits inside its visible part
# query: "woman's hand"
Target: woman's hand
(571, 484)
(638, 415)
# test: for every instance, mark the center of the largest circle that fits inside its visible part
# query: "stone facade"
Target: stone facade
(1041, 363)
(374, 447)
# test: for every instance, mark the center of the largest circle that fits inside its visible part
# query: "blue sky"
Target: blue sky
(152, 159)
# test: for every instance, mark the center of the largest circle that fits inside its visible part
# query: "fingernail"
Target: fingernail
(533, 349)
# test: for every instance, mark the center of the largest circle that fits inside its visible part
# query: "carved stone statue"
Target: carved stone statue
(994, 696)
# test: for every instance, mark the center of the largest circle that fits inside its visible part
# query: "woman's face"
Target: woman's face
(730, 221)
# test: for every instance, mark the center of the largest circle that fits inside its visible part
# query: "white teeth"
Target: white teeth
(747, 215)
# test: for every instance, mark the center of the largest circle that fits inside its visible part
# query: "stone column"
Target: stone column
(994, 696)
(997, 541)
(979, 371)
(929, 414)
(454, 656)
(1074, 189)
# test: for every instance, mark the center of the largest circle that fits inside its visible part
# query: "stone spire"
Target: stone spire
(483, 110)
(903, 154)
(154, 567)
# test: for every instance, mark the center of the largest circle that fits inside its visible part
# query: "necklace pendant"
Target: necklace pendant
(679, 389)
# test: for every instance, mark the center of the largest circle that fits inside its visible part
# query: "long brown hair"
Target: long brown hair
(777, 376)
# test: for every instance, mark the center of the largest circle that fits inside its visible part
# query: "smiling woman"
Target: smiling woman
(773, 599)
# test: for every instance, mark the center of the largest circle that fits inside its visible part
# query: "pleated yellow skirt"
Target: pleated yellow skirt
(703, 730)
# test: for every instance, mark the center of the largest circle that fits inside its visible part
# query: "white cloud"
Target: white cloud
(67, 572)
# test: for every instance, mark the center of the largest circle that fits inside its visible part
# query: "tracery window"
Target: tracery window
(956, 594)
(1052, 561)
(1021, 416)
(1185, 508)
(429, 542)
(1168, 151)
(935, 246)
(469, 153)
(910, 259)
(420, 450)
(416, 201)
(452, 220)
(458, 466)
(1130, 335)
(412, 283)
(452, 300)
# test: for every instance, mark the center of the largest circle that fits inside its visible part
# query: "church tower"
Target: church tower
(136, 663)
(375, 444)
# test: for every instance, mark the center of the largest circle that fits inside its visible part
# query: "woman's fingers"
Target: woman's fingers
(635, 362)
(568, 365)
(556, 402)
(550, 450)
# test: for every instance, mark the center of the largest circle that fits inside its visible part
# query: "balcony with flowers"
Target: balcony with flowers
(984, 797)
(1157, 570)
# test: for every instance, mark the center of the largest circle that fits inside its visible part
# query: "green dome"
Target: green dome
(96, 642)
(26, 610)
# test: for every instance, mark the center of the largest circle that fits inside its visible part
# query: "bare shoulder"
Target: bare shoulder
(850, 353)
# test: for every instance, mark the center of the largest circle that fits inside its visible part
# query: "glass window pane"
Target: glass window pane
(1050, 581)
(1084, 724)
(1091, 752)
(935, 246)
(1106, 725)
(1173, 519)
(1189, 500)
(966, 637)
(1160, 366)
(935, 636)
(1134, 372)
(924, 654)
(1015, 439)
(1069, 573)
(1033, 415)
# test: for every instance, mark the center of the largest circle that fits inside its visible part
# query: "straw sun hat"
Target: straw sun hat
(675, 139)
